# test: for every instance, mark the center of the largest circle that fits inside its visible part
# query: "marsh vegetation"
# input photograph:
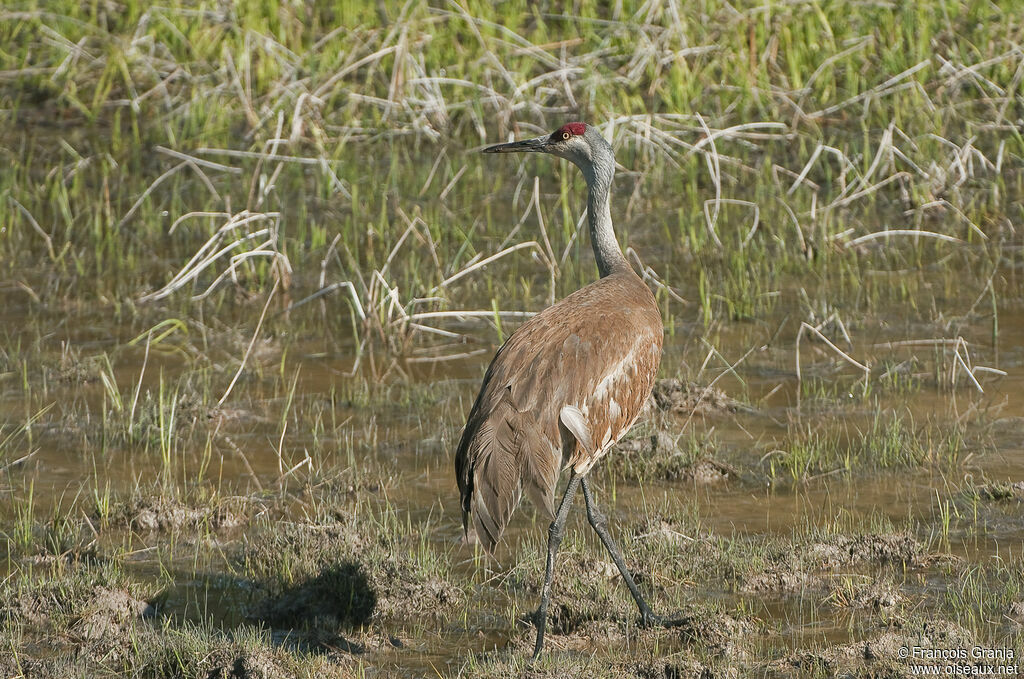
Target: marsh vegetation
(252, 270)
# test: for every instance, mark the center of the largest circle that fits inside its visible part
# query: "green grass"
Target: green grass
(885, 442)
(784, 70)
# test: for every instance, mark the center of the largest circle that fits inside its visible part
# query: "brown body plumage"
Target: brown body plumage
(597, 350)
(566, 385)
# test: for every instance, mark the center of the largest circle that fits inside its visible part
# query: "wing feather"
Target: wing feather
(600, 345)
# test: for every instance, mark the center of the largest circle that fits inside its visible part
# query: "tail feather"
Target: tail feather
(539, 468)
(502, 453)
(496, 487)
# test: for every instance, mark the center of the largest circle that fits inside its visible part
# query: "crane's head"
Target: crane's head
(578, 142)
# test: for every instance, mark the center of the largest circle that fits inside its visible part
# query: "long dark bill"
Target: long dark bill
(535, 145)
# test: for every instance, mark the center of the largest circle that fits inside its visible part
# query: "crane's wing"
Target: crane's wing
(564, 388)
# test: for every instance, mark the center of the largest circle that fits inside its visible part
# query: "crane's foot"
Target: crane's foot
(649, 619)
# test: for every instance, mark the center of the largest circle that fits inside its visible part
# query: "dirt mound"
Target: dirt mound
(702, 630)
(405, 590)
(672, 669)
(91, 612)
(238, 654)
(686, 398)
(657, 455)
(249, 666)
(668, 530)
(586, 597)
(710, 471)
(591, 602)
(865, 596)
(110, 612)
(698, 629)
(719, 633)
(235, 663)
(156, 513)
(1001, 492)
(882, 652)
(795, 567)
(31, 608)
(876, 549)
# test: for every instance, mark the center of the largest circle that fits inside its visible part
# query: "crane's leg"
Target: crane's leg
(555, 532)
(600, 524)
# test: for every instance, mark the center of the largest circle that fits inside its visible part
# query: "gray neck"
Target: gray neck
(602, 236)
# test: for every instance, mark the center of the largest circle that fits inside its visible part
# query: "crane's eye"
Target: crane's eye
(565, 136)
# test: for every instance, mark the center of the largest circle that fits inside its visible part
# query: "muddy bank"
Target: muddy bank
(879, 655)
(676, 396)
(655, 454)
(154, 513)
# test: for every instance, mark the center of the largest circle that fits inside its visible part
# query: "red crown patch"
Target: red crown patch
(575, 129)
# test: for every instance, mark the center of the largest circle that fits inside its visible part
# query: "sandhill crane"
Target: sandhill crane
(566, 386)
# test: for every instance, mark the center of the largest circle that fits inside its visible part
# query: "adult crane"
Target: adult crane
(566, 386)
